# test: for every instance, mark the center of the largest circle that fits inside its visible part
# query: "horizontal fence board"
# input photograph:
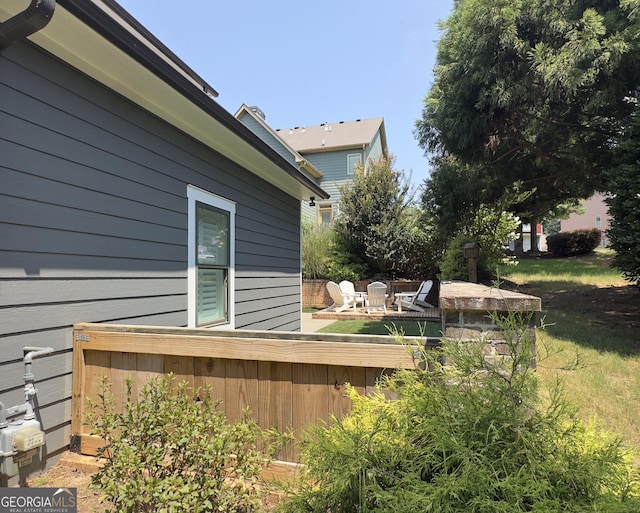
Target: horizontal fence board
(258, 349)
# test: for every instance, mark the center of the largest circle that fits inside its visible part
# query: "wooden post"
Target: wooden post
(471, 253)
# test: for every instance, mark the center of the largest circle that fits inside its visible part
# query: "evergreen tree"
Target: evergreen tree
(624, 202)
(374, 218)
(533, 92)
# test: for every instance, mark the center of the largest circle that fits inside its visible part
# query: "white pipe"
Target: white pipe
(3, 416)
(30, 390)
(34, 352)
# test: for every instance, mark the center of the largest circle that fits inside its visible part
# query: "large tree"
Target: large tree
(533, 91)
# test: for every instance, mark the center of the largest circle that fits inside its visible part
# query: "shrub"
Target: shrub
(343, 263)
(473, 435)
(455, 266)
(577, 242)
(173, 450)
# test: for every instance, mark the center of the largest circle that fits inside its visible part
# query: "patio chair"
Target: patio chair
(348, 289)
(417, 300)
(340, 301)
(376, 297)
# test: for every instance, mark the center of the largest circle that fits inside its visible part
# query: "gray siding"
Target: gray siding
(93, 219)
(334, 169)
(374, 150)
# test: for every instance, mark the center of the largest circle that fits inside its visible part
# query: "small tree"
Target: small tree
(492, 228)
(373, 216)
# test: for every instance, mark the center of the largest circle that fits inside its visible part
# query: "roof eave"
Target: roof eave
(100, 39)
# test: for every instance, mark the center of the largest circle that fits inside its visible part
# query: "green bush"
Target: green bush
(172, 450)
(455, 265)
(343, 263)
(472, 436)
(577, 242)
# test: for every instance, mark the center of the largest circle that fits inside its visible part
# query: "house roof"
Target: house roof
(101, 39)
(259, 117)
(334, 136)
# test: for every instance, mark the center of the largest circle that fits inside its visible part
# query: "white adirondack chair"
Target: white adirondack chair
(340, 301)
(418, 300)
(376, 297)
(348, 289)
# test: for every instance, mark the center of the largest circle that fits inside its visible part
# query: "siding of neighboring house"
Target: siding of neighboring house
(93, 225)
(374, 151)
(264, 134)
(334, 168)
(596, 215)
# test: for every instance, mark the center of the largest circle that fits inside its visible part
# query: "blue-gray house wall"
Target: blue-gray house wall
(374, 150)
(93, 225)
(267, 137)
(334, 166)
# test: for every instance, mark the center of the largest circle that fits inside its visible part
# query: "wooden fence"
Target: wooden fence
(288, 380)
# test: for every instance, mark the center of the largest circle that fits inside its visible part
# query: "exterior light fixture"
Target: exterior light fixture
(312, 201)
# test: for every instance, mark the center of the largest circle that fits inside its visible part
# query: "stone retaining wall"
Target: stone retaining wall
(466, 307)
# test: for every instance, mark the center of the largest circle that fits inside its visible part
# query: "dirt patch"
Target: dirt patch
(615, 306)
(73, 471)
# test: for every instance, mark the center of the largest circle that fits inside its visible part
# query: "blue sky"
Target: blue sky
(306, 63)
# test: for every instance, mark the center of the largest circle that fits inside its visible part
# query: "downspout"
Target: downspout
(22, 25)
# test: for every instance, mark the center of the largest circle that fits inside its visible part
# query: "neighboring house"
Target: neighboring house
(254, 119)
(541, 239)
(335, 149)
(596, 215)
(128, 195)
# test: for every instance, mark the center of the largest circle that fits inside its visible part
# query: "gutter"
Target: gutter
(22, 25)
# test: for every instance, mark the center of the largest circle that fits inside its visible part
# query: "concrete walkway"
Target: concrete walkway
(310, 325)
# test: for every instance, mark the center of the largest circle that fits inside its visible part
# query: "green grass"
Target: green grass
(410, 329)
(592, 269)
(606, 387)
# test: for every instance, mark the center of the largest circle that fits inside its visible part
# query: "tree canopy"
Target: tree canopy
(533, 92)
(624, 202)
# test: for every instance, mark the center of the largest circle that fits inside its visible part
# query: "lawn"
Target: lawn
(408, 328)
(589, 310)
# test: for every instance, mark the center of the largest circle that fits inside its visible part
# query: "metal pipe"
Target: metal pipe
(34, 352)
(22, 25)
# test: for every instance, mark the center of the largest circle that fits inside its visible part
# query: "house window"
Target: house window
(211, 260)
(352, 160)
(598, 222)
(325, 214)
